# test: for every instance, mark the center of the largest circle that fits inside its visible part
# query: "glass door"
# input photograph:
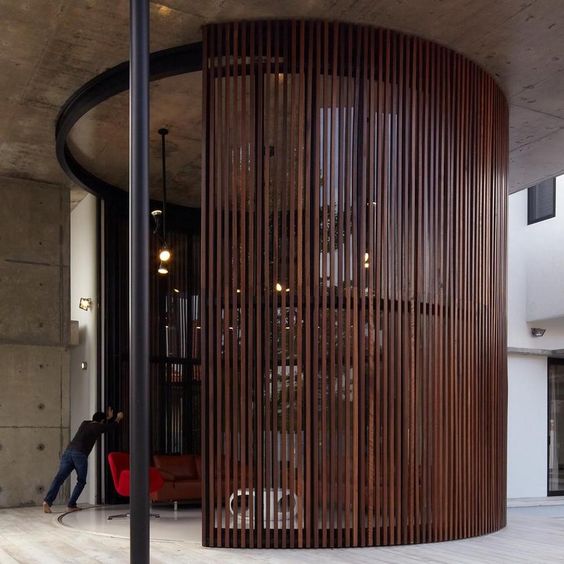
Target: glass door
(555, 426)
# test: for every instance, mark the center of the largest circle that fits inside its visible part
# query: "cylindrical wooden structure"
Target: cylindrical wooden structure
(353, 288)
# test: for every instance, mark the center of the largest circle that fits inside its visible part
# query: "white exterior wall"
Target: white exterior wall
(545, 264)
(535, 299)
(83, 284)
(535, 274)
(526, 424)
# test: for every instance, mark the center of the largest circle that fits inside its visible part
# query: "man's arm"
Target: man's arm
(110, 425)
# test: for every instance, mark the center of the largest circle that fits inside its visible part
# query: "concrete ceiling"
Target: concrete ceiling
(51, 47)
(100, 140)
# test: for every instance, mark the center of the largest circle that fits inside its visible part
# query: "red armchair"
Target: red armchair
(121, 476)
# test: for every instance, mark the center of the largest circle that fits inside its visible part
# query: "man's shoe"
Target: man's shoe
(46, 508)
(71, 509)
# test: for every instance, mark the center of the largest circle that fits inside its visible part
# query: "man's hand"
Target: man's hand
(109, 412)
(119, 416)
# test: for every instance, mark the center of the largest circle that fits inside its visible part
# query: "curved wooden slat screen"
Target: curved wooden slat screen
(353, 288)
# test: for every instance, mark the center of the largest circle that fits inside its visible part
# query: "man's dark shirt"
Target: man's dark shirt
(88, 434)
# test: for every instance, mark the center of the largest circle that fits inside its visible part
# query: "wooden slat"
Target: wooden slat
(353, 204)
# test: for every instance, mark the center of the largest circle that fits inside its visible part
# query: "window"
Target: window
(541, 201)
(555, 426)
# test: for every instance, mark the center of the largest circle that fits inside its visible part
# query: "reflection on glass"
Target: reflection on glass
(556, 427)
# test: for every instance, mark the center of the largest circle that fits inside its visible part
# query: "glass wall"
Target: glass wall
(555, 426)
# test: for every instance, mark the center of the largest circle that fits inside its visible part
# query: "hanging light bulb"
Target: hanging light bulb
(164, 254)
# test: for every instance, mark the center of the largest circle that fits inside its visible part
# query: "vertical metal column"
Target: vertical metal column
(139, 279)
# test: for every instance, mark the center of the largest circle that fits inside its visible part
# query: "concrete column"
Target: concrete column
(34, 334)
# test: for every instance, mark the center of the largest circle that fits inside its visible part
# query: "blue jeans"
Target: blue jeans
(71, 460)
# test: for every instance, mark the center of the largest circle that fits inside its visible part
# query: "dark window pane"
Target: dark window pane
(542, 201)
(555, 427)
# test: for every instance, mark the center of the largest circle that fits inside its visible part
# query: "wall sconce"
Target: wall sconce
(85, 304)
(537, 332)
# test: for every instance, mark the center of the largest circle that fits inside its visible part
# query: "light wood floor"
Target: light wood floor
(533, 535)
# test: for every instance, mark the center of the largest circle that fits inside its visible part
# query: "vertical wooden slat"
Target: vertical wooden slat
(226, 282)
(235, 164)
(353, 216)
(245, 462)
(250, 200)
(257, 284)
(207, 505)
(340, 365)
(333, 431)
(371, 266)
(309, 403)
(266, 285)
(361, 245)
(300, 287)
(386, 296)
(217, 321)
(317, 485)
(323, 172)
(347, 220)
(279, 77)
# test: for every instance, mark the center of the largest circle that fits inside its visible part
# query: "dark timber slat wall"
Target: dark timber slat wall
(353, 288)
(175, 363)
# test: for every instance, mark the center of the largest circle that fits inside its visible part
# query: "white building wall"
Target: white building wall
(526, 424)
(83, 284)
(545, 263)
(535, 285)
(535, 299)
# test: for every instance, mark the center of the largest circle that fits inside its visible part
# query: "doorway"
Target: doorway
(555, 426)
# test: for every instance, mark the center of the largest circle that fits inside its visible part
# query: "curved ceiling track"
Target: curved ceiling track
(163, 64)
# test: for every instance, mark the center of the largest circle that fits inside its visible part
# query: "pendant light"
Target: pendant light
(164, 252)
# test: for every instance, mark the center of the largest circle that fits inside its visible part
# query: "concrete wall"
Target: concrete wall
(83, 284)
(34, 314)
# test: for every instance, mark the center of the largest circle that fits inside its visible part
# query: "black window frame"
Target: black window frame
(531, 192)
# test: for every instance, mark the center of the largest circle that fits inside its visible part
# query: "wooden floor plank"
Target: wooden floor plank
(533, 535)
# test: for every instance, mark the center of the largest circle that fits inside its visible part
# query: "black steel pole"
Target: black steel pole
(163, 131)
(139, 280)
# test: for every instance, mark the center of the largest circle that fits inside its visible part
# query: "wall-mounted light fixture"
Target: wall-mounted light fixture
(85, 304)
(537, 332)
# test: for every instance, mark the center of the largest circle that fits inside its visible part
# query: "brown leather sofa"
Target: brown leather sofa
(182, 475)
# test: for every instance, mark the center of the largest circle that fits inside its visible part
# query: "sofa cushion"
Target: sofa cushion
(167, 476)
(182, 466)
